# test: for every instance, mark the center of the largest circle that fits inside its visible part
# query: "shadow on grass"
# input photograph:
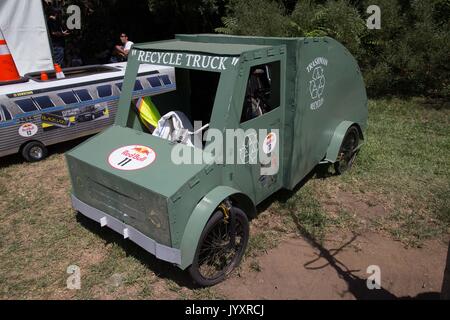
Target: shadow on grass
(11, 160)
(162, 269)
(58, 148)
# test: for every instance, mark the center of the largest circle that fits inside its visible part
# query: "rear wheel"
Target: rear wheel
(347, 152)
(34, 151)
(217, 254)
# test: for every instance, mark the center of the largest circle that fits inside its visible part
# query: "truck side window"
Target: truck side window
(263, 90)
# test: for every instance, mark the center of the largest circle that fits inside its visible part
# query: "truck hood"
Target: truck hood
(137, 157)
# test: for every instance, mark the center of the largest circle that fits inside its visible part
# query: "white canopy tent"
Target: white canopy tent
(23, 25)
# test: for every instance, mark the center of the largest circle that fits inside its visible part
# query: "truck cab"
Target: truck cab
(249, 116)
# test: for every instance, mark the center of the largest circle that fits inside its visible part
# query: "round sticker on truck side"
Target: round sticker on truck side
(131, 157)
(28, 129)
(269, 143)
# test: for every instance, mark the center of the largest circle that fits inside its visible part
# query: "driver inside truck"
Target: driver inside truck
(257, 93)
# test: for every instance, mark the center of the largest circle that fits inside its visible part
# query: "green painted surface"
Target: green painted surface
(320, 92)
(335, 144)
(205, 47)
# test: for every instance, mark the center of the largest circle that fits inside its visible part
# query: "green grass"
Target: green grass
(306, 213)
(261, 242)
(404, 167)
(406, 161)
(255, 266)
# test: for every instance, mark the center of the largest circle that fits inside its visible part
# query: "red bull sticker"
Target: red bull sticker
(131, 157)
(269, 143)
(28, 129)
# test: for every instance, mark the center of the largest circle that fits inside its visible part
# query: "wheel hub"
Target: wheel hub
(36, 152)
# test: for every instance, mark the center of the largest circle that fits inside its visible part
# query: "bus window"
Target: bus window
(119, 85)
(138, 86)
(26, 105)
(165, 79)
(83, 94)
(44, 102)
(104, 91)
(68, 97)
(154, 81)
(6, 114)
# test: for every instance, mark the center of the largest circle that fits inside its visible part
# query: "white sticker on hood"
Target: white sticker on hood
(131, 157)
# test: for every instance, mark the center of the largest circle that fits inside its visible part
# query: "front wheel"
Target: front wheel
(347, 152)
(219, 249)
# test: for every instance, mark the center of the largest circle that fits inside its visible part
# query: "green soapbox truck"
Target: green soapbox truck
(306, 96)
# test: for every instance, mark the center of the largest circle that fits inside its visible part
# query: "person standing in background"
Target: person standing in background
(121, 51)
(57, 34)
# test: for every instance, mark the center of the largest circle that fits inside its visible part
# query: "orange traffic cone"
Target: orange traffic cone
(59, 72)
(8, 70)
(44, 76)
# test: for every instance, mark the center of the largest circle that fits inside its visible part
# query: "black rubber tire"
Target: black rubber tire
(34, 151)
(216, 219)
(347, 153)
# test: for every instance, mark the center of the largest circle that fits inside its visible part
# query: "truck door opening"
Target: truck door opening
(192, 101)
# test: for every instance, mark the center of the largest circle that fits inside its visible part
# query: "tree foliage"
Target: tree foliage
(255, 17)
(408, 55)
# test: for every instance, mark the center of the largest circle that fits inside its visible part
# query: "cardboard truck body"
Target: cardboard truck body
(309, 96)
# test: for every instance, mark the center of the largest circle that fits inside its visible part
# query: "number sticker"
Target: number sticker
(132, 157)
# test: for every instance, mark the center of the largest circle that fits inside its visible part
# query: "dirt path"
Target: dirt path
(49, 238)
(298, 269)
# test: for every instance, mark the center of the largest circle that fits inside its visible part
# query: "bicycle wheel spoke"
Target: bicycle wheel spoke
(217, 256)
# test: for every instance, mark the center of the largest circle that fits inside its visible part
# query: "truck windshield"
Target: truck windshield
(188, 108)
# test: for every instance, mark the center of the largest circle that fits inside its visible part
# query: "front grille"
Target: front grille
(134, 205)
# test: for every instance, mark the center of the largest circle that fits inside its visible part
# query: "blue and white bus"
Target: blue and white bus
(35, 114)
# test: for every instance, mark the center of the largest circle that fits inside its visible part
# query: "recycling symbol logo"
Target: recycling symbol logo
(317, 84)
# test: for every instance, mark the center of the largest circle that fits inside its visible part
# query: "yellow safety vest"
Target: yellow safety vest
(148, 113)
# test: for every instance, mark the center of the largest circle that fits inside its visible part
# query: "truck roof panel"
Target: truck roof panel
(200, 47)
